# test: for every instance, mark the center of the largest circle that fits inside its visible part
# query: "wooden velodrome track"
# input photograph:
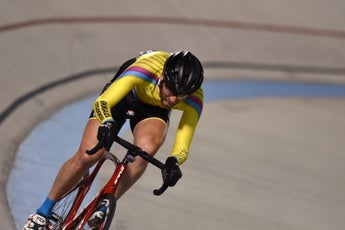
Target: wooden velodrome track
(259, 163)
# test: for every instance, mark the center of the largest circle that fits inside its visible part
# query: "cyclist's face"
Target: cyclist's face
(168, 99)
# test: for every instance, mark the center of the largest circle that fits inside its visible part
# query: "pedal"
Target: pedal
(96, 219)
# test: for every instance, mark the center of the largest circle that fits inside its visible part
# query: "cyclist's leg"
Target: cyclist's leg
(74, 168)
(69, 175)
(149, 135)
(149, 126)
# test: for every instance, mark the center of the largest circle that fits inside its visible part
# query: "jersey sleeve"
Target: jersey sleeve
(192, 109)
(116, 91)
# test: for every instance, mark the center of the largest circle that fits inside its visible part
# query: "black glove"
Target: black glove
(171, 172)
(106, 133)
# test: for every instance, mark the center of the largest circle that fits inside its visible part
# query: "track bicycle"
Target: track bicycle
(70, 212)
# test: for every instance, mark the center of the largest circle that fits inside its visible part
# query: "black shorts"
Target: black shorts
(141, 110)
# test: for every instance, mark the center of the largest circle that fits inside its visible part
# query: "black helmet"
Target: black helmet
(183, 73)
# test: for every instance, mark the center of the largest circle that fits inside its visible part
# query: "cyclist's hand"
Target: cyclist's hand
(106, 133)
(171, 172)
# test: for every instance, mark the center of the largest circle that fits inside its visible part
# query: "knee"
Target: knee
(151, 147)
(149, 144)
(83, 160)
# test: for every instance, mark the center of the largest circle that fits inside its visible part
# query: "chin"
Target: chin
(167, 106)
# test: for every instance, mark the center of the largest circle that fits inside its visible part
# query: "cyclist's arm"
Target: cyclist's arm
(143, 71)
(116, 92)
(192, 109)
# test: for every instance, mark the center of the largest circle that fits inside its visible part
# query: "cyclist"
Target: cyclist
(149, 87)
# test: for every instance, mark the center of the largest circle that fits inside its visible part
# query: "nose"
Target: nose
(172, 99)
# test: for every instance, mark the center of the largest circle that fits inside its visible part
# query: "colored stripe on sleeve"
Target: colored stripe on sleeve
(195, 103)
(141, 73)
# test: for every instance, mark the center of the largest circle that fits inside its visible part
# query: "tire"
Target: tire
(110, 211)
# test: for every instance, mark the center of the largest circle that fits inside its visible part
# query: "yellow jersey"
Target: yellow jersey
(143, 77)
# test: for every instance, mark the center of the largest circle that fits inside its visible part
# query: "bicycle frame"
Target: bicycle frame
(78, 216)
(110, 187)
